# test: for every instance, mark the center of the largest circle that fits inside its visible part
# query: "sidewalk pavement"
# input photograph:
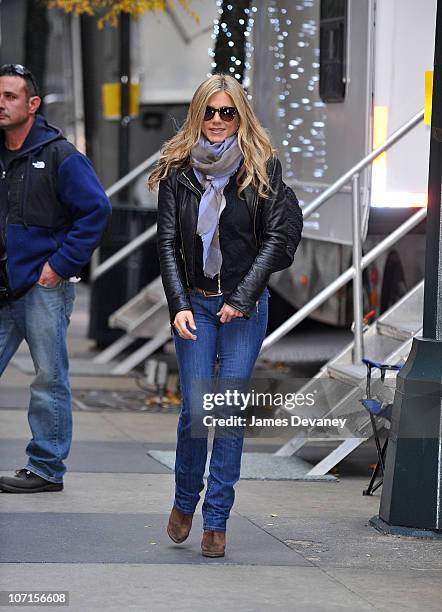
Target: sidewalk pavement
(304, 546)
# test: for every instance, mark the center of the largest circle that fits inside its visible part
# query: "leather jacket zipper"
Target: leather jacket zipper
(219, 273)
(194, 189)
(197, 192)
(254, 219)
(184, 259)
(3, 237)
(182, 252)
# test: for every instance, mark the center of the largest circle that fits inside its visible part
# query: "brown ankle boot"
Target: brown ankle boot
(213, 543)
(179, 525)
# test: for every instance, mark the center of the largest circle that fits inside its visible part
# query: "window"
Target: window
(333, 35)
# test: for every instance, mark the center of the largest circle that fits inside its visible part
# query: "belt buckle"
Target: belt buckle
(209, 294)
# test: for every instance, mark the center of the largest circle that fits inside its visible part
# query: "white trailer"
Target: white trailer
(331, 79)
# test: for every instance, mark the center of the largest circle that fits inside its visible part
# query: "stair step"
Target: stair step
(376, 347)
(326, 392)
(404, 319)
(353, 374)
(348, 373)
(149, 327)
(340, 385)
(144, 314)
(401, 330)
(146, 325)
(334, 398)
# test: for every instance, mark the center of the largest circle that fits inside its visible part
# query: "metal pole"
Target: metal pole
(411, 498)
(123, 161)
(358, 299)
(77, 78)
(433, 259)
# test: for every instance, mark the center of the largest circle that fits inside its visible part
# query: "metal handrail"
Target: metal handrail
(361, 165)
(98, 269)
(124, 252)
(132, 175)
(342, 279)
(359, 262)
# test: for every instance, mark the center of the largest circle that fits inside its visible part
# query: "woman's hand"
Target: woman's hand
(182, 319)
(227, 313)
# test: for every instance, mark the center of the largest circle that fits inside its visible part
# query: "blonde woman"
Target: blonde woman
(222, 231)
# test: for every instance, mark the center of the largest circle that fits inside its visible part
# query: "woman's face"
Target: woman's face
(217, 130)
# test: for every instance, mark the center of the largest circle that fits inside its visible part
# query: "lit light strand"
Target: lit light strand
(245, 23)
(299, 116)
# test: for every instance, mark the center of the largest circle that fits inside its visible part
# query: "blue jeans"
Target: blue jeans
(236, 345)
(41, 317)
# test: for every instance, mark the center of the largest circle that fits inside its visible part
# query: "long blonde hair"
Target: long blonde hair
(253, 140)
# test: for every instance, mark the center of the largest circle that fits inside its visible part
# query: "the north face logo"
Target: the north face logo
(39, 164)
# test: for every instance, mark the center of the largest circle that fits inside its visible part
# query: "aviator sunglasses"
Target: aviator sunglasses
(226, 113)
(19, 70)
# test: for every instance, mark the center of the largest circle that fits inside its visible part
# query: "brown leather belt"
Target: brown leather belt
(207, 293)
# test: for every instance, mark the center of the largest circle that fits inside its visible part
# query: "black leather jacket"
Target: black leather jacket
(178, 202)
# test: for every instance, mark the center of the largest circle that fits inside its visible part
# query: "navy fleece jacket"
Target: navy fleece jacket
(56, 209)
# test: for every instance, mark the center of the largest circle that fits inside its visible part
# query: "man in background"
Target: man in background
(53, 211)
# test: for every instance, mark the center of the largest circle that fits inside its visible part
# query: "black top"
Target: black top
(237, 243)
(7, 157)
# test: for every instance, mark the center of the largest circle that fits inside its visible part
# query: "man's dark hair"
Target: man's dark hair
(24, 73)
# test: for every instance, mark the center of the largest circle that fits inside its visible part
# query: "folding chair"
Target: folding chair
(377, 407)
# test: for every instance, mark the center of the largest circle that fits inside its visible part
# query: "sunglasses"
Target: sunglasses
(19, 70)
(226, 113)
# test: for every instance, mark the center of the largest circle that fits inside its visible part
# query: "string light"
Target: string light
(245, 23)
(298, 117)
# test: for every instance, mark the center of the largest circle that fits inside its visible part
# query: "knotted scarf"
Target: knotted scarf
(213, 164)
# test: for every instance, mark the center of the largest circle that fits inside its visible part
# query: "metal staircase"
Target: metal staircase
(340, 384)
(145, 316)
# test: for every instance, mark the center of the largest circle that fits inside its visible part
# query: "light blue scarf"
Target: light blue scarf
(213, 164)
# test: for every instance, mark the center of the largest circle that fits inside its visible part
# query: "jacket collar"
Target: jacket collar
(186, 177)
(40, 134)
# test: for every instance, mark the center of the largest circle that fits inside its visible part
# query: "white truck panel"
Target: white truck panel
(172, 52)
(404, 49)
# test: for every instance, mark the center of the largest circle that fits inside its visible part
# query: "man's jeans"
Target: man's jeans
(237, 345)
(41, 317)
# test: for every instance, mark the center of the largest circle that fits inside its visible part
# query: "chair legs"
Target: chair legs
(378, 444)
(379, 466)
(375, 406)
